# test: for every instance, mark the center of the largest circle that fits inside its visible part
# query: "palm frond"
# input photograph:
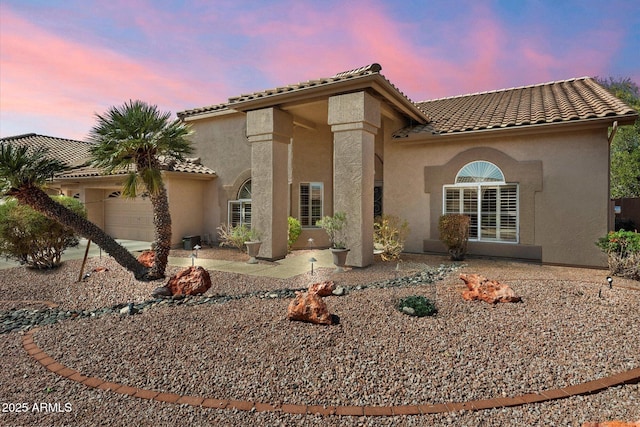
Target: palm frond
(26, 166)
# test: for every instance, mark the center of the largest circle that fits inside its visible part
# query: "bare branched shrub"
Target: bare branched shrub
(454, 233)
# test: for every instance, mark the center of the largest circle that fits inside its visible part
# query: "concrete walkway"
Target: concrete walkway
(281, 269)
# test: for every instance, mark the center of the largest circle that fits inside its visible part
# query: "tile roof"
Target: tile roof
(187, 166)
(342, 77)
(553, 102)
(73, 153)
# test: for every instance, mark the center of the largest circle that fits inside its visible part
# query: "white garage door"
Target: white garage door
(130, 219)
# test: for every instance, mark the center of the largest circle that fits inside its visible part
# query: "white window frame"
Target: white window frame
(480, 188)
(311, 221)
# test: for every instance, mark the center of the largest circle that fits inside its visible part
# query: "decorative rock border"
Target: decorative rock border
(628, 377)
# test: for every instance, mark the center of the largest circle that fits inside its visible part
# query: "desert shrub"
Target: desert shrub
(454, 233)
(33, 239)
(334, 227)
(623, 253)
(294, 231)
(389, 234)
(416, 305)
(235, 236)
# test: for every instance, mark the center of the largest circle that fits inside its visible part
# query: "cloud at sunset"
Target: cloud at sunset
(63, 62)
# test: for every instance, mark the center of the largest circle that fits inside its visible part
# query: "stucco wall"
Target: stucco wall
(563, 184)
(312, 161)
(221, 144)
(187, 207)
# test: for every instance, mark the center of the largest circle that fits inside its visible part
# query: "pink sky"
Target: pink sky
(62, 63)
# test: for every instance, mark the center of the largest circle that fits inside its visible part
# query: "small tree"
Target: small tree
(454, 233)
(389, 234)
(33, 239)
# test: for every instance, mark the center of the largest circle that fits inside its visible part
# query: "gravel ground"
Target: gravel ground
(563, 333)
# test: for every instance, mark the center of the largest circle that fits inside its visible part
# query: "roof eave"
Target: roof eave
(426, 137)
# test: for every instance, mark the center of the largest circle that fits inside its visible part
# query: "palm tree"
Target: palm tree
(140, 139)
(22, 175)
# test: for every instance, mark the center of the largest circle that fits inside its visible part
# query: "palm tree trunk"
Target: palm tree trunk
(41, 202)
(162, 224)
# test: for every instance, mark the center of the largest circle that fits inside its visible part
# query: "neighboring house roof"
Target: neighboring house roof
(561, 101)
(73, 153)
(357, 79)
(187, 166)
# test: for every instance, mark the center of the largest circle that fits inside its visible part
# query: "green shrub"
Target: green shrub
(623, 253)
(419, 306)
(294, 231)
(389, 234)
(235, 236)
(33, 239)
(454, 233)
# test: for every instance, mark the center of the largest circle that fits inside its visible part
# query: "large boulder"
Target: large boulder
(190, 281)
(147, 258)
(309, 307)
(491, 291)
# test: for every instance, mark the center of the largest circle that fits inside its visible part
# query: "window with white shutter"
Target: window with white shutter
(480, 192)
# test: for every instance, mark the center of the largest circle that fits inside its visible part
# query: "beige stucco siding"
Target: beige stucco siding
(222, 145)
(563, 189)
(187, 207)
(312, 161)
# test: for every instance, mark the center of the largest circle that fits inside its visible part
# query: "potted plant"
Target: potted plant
(253, 245)
(334, 227)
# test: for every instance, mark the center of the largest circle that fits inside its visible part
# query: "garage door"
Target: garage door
(130, 219)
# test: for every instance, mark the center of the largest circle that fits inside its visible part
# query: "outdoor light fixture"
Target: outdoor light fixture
(610, 280)
(193, 259)
(196, 247)
(312, 260)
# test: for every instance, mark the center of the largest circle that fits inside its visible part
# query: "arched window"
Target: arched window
(481, 192)
(240, 209)
(479, 172)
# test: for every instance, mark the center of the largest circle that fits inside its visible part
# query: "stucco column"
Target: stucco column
(354, 120)
(269, 131)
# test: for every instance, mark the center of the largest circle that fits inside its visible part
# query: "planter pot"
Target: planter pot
(339, 259)
(252, 249)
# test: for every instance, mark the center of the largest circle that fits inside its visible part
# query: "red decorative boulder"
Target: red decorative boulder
(309, 307)
(323, 289)
(147, 258)
(190, 281)
(481, 288)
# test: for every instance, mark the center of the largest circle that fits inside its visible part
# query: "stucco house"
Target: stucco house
(529, 165)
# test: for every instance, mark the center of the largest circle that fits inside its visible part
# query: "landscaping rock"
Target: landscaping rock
(323, 289)
(190, 281)
(147, 258)
(339, 291)
(309, 307)
(491, 291)
(161, 291)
